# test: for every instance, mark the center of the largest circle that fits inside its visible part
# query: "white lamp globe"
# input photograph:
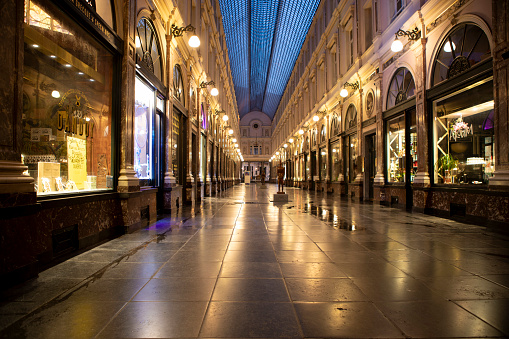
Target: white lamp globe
(194, 41)
(225, 118)
(396, 46)
(301, 131)
(214, 92)
(343, 93)
(316, 118)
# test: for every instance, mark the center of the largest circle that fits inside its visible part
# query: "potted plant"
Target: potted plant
(445, 165)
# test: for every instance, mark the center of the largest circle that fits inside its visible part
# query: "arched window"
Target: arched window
(465, 46)
(334, 128)
(351, 117)
(313, 138)
(401, 87)
(178, 84)
(306, 144)
(148, 49)
(323, 133)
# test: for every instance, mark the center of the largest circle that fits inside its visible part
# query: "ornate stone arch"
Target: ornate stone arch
(178, 85)
(148, 47)
(401, 87)
(464, 46)
(350, 117)
(335, 126)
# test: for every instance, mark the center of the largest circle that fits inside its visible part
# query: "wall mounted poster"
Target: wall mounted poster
(77, 161)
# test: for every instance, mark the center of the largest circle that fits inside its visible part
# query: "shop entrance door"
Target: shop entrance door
(370, 163)
(159, 158)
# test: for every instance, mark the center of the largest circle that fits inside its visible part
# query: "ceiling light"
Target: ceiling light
(80, 73)
(67, 65)
(53, 56)
(277, 153)
(35, 46)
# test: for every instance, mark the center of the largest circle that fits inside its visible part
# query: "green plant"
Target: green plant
(446, 163)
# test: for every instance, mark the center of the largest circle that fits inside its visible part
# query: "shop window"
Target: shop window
(323, 163)
(465, 46)
(143, 132)
(178, 85)
(464, 136)
(402, 148)
(176, 145)
(351, 117)
(396, 150)
(67, 104)
(336, 163)
(351, 157)
(148, 50)
(334, 130)
(401, 87)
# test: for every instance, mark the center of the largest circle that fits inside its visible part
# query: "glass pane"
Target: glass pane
(323, 163)
(67, 100)
(396, 150)
(351, 148)
(176, 145)
(336, 163)
(143, 130)
(413, 145)
(464, 138)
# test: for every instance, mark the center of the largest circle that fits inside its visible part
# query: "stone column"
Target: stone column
(18, 235)
(16, 187)
(127, 181)
(422, 178)
(379, 180)
(189, 184)
(501, 92)
(169, 178)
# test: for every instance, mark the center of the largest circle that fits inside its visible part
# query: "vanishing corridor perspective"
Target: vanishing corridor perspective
(254, 169)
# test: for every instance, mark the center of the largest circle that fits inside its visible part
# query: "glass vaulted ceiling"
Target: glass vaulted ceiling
(264, 38)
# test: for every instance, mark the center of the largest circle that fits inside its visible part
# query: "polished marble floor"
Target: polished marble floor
(239, 266)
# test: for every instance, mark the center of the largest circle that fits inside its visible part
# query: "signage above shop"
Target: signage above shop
(84, 9)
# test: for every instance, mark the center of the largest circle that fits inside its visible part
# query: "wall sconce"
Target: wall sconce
(214, 92)
(316, 118)
(285, 145)
(301, 131)
(176, 31)
(290, 140)
(397, 45)
(230, 131)
(225, 118)
(234, 140)
(344, 92)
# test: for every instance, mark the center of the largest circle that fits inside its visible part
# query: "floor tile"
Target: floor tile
(312, 270)
(232, 269)
(315, 290)
(235, 289)
(252, 320)
(177, 289)
(494, 312)
(156, 320)
(435, 319)
(344, 320)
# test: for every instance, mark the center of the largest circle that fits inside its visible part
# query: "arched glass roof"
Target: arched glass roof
(264, 39)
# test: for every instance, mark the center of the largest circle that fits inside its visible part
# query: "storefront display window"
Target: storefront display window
(143, 132)
(67, 104)
(401, 148)
(396, 150)
(336, 163)
(323, 163)
(351, 157)
(464, 136)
